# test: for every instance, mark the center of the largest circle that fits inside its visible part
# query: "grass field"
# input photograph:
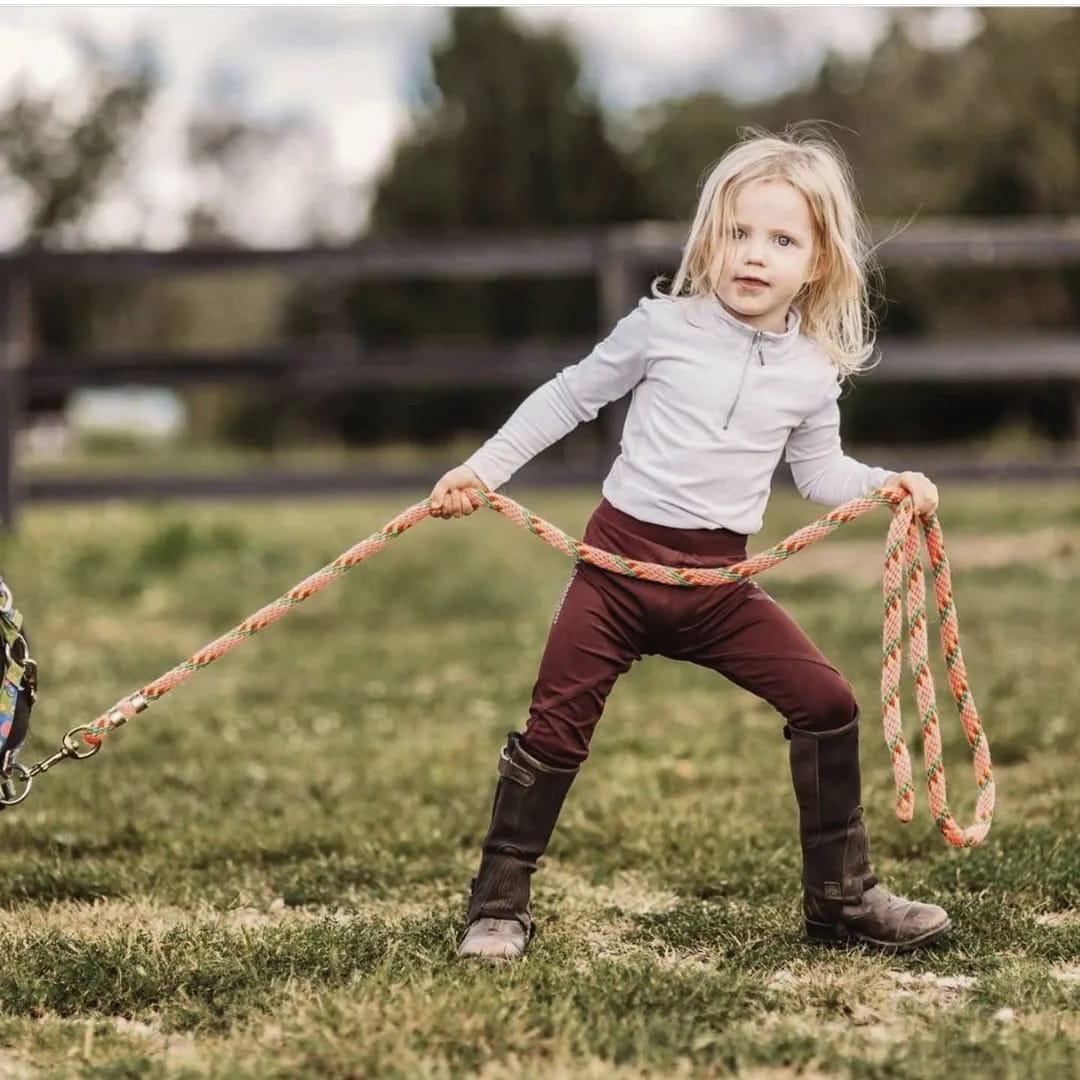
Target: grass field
(265, 875)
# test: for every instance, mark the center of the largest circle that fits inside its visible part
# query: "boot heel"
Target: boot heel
(827, 933)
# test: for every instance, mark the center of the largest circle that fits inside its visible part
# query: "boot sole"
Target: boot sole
(494, 940)
(491, 958)
(840, 938)
(499, 951)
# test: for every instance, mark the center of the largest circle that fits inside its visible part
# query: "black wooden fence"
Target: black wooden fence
(621, 259)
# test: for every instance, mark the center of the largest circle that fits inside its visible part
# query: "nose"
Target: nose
(755, 252)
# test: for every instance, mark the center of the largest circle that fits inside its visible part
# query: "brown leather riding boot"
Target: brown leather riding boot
(842, 900)
(528, 798)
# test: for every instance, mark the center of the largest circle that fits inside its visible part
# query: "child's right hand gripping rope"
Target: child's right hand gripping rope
(901, 562)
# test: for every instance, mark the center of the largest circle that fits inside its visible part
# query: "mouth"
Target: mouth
(751, 283)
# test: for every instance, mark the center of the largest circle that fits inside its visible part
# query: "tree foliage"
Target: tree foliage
(507, 138)
(62, 160)
(989, 127)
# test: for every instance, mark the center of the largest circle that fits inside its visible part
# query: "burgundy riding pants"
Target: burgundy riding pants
(604, 622)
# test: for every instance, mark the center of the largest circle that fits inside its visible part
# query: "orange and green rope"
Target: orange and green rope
(903, 567)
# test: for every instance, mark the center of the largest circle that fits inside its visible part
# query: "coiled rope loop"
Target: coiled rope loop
(902, 566)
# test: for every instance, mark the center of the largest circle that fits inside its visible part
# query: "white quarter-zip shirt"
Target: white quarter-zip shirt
(715, 403)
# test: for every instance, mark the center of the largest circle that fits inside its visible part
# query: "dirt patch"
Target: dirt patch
(786, 1073)
(857, 1004)
(602, 914)
(1058, 918)
(1050, 1024)
(94, 920)
(862, 560)
(931, 988)
(89, 920)
(628, 892)
(176, 1049)
(872, 986)
(12, 1069)
(513, 1068)
(872, 1030)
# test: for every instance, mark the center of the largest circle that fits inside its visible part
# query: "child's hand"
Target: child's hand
(448, 498)
(922, 491)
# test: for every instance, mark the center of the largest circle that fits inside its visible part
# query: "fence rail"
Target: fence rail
(323, 482)
(558, 253)
(1045, 358)
(619, 259)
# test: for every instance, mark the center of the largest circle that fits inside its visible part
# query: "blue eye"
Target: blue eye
(784, 241)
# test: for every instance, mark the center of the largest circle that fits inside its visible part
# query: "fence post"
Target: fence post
(616, 270)
(14, 353)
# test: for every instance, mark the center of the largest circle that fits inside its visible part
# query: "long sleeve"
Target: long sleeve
(819, 467)
(574, 395)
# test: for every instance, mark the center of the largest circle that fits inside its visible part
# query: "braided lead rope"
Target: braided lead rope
(902, 560)
(901, 556)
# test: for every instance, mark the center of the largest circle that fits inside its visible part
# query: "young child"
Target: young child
(740, 361)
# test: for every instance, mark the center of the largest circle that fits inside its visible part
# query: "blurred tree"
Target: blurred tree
(241, 160)
(62, 160)
(988, 127)
(1020, 114)
(684, 139)
(218, 148)
(58, 158)
(505, 138)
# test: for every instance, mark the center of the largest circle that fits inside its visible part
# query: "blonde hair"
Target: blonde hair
(835, 306)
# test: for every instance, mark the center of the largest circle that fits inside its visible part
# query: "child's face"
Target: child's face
(770, 255)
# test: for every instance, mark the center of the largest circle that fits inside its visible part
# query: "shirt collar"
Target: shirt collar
(721, 313)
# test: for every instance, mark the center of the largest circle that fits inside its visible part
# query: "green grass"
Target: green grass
(126, 456)
(264, 876)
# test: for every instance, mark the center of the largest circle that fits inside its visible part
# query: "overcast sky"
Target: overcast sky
(351, 73)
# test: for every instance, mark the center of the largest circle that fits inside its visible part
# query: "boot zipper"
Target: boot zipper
(754, 344)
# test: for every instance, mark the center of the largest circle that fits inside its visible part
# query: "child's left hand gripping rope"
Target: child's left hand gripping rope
(902, 566)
